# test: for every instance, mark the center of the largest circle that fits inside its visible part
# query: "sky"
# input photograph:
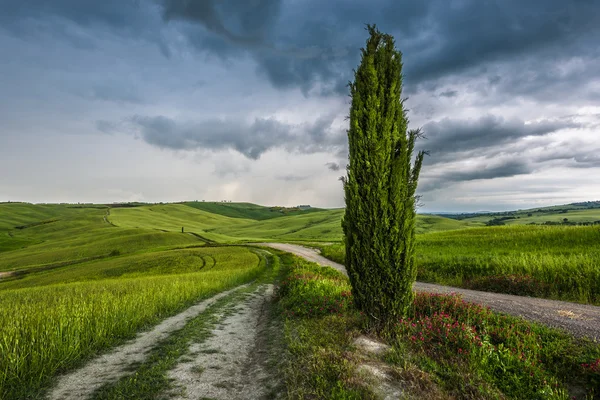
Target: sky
(246, 100)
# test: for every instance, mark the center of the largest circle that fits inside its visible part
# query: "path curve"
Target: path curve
(581, 320)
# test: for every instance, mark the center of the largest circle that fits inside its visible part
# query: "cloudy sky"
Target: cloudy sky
(245, 100)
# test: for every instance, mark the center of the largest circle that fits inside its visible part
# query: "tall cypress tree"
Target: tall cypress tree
(379, 221)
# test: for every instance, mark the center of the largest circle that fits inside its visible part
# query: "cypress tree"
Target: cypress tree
(380, 185)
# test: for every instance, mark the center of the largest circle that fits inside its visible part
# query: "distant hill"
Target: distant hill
(249, 210)
(582, 213)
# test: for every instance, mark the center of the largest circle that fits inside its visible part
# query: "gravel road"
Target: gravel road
(579, 319)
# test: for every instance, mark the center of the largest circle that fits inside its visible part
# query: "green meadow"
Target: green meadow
(559, 262)
(76, 280)
(72, 283)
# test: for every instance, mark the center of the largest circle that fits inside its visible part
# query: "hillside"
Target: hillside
(248, 210)
(584, 213)
(323, 225)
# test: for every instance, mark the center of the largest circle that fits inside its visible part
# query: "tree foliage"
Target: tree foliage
(379, 221)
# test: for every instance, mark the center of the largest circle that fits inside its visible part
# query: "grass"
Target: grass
(46, 330)
(75, 234)
(316, 225)
(473, 351)
(574, 213)
(179, 261)
(172, 217)
(319, 329)
(248, 210)
(559, 262)
(447, 347)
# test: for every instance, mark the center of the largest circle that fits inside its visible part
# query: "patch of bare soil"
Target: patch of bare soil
(6, 274)
(110, 367)
(385, 384)
(393, 382)
(232, 363)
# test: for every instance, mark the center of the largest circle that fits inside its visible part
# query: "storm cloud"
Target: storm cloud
(505, 91)
(251, 139)
(486, 170)
(451, 135)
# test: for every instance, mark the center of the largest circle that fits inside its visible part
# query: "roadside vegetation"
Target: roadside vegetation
(543, 261)
(446, 348)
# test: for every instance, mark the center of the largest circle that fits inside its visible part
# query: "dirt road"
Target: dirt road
(579, 319)
(232, 363)
(81, 383)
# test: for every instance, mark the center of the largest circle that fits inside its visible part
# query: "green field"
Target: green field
(568, 214)
(318, 225)
(561, 262)
(75, 280)
(248, 210)
(73, 284)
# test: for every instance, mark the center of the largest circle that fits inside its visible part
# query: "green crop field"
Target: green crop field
(76, 280)
(575, 213)
(561, 262)
(317, 225)
(73, 284)
(547, 261)
(248, 210)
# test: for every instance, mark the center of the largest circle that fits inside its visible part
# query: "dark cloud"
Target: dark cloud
(451, 136)
(250, 139)
(130, 18)
(449, 93)
(107, 127)
(115, 13)
(333, 166)
(248, 21)
(481, 171)
(313, 45)
(574, 154)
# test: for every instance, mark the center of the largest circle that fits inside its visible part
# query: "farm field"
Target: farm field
(560, 262)
(72, 285)
(575, 213)
(78, 280)
(323, 225)
(248, 210)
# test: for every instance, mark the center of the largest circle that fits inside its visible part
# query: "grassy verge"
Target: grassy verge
(475, 352)
(320, 324)
(47, 330)
(464, 350)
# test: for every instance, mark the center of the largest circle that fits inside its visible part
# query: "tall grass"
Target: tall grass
(46, 330)
(556, 262)
(561, 262)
